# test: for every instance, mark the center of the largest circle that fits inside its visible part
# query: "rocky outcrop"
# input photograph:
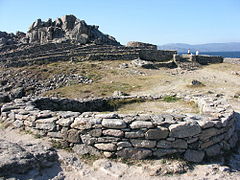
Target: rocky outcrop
(10, 39)
(67, 28)
(20, 158)
(142, 45)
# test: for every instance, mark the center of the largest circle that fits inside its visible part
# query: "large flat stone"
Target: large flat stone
(113, 132)
(207, 133)
(106, 146)
(178, 144)
(213, 150)
(184, 129)
(134, 153)
(46, 124)
(113, 123)
(143, 143)
(164, 152)
(159, 133)
(134, 134)
(141, 124)
(72, 136)
(194, 156)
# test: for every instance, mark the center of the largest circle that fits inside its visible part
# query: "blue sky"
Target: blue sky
(153, 21)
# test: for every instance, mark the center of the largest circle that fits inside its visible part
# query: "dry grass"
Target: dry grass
(159, 106)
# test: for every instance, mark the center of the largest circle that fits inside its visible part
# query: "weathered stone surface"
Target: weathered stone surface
(67, 28)
(178, 144)
(20, 158)
(213, 150)
(141, 124)
(134, 134)
(108, 139)
(72, 136)
(106, 146)
(233, 140)
(113, 123)
(95, 132)
(207, 133)
(159, 133)
(124, 144)
(143, 143)
(184, 129)
(134, 153)
(194, 156)
(163, 152)
(65, 121)
(86, 123)
(141, 44)
(113, 132)
(107, 116)
(212, 140)
(88, 140)
(55, 134)
(157, 119)
(82, 149)
(206, 124)
(18, 123)
(47, 124)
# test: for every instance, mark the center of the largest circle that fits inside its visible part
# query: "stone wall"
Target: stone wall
(201, 59)
(138, 136)
(14, 56)
(205, 59)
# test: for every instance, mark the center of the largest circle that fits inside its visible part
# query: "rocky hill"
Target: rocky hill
(65, 29)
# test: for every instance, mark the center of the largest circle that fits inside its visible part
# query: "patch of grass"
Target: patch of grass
(117, 103)
(27, 132)
(170, 98)
(196, 86)
(38, 136)
(89, 159)
(59, 145)
(237, 95)
(96, 89)
(193, 105)
(1, 126)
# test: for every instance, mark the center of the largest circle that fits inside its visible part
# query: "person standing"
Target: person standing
(188, 51)
(197, 52)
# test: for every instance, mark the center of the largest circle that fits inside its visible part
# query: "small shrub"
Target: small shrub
(170, 98)
(38, 136)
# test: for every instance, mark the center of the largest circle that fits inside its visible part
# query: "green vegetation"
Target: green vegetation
(89, 159)
(59, 145)
(170, 98)
(38, 136)
(117, 103)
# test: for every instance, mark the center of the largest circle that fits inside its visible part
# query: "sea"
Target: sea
(230, 54)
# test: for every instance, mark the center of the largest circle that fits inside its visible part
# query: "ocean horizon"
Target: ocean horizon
(226, 54)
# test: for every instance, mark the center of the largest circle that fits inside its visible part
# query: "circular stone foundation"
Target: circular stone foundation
(88, 129)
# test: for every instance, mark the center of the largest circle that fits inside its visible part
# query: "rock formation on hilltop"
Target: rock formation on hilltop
(65, 29)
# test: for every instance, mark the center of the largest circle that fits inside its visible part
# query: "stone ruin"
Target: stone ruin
(69, 38)
(85, 126)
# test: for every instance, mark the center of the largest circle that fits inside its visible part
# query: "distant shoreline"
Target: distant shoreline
(226, 54)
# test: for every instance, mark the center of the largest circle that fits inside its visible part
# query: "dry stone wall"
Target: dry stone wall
(15, 56)
(138, 136)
